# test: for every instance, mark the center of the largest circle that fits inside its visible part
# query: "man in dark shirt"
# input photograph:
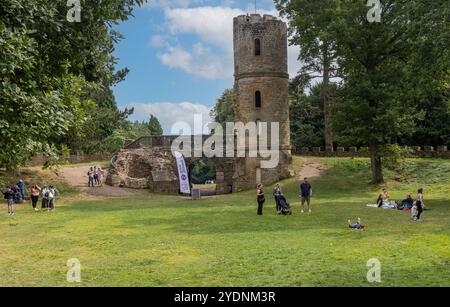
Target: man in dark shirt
(306, 194)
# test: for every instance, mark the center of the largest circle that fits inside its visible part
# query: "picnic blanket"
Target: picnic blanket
(385, 206)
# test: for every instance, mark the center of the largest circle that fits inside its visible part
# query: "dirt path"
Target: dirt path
(76, 176)
(311, 169)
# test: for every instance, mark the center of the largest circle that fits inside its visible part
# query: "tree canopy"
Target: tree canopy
(52, 71)
(388, 68)
(154, 126)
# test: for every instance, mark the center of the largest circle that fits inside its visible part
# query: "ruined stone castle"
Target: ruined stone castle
(261, 86)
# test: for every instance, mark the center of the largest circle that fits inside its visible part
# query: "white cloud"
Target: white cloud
(212, 56)
(211, 24)
(171, 3)
(200, 62)
(170, 113)
(158, 41)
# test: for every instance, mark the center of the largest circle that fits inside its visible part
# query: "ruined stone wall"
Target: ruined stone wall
(416, 151)
(155, 168)
(145, 168)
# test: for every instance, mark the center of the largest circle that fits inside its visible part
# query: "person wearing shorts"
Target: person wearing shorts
(306, 194)
(9, 197)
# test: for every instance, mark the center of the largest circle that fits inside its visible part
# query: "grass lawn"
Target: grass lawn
(160, 240)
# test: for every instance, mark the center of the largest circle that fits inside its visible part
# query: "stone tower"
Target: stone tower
(262, 87)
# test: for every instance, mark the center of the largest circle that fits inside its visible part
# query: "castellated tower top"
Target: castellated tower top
(260, 47)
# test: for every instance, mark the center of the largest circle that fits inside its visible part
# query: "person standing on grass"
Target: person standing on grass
(21, 187)
(260, 198)
(34, 192)
(419, 205)
(91, 177)
(277, 194)
(44, 198)
(9, 197)
(51, 198)
(306, 194)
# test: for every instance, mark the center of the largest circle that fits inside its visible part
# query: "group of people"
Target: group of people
(95, 176)
(282, 206)
(16, 195)
(416, 206)
(48, 194)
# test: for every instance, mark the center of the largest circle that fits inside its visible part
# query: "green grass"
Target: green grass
(161, 240)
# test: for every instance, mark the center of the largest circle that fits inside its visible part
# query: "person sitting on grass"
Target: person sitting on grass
(383, 198)
(9, 197)
(408, 202)
(358, 226)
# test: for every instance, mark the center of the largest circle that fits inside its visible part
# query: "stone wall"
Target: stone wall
(418, 151)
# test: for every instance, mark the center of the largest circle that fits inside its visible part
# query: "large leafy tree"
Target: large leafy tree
(311, 30)
(387, 69)
(50, 67)
(223, 111)
(154, 126)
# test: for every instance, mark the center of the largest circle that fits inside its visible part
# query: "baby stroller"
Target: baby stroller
(284, 205)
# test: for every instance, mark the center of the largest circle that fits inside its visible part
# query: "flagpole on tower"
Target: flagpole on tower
(255, 7)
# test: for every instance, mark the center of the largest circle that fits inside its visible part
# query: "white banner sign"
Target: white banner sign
(183, 175)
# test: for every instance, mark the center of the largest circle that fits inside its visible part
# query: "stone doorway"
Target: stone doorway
(203, 176)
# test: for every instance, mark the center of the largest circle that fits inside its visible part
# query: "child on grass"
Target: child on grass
(9, 197)
(358, 226)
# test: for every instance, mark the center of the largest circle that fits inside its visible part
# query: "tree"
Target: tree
(223, 111)
(434, 129)
(310, 22)
(49, 68)
(388, 67)
(154, 126)
(202, 171)
(306, 116)
(140, 129)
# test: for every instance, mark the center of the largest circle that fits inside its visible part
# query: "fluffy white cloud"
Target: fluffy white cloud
(201, 62)
(171, 113)
(212, 56)
(211, 24)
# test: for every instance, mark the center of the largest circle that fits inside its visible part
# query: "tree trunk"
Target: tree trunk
(327, 101)
(376, 164)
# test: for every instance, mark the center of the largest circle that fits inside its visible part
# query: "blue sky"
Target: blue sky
(179, 53)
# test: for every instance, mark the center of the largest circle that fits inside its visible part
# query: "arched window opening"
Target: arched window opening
(257, 47)
(258, 100)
